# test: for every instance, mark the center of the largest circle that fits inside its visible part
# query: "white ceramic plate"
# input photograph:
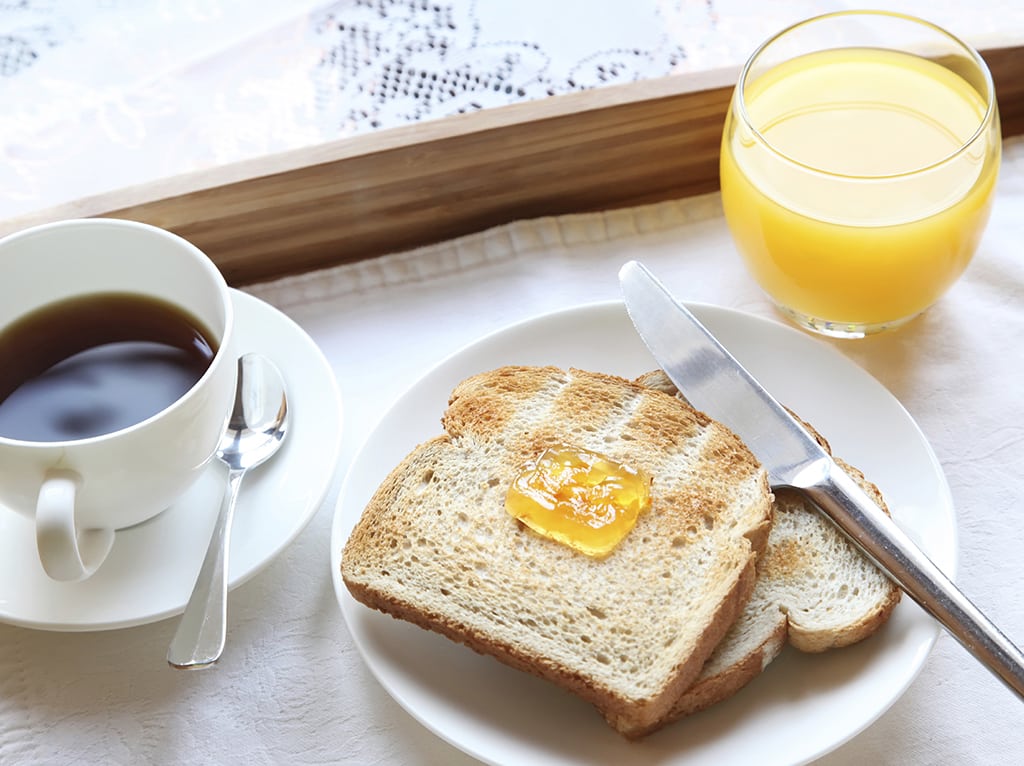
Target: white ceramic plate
(802, 706)
(152, 567)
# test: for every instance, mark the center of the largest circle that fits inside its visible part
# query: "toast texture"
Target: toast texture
(630, 632)
(814, 590)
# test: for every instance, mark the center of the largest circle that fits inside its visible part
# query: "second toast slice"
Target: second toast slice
(814, 590)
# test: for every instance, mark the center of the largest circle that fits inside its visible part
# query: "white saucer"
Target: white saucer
(152, 567)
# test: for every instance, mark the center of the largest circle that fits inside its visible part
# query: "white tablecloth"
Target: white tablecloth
(292, 688)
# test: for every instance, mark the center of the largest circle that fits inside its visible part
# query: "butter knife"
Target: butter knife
(714, 382)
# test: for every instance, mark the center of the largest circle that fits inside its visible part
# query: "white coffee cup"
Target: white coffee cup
(80, 491)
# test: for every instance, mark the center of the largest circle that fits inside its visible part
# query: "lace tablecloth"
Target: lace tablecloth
(101, 94)
(292, 687)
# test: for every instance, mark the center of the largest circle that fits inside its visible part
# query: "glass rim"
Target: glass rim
(973, 54)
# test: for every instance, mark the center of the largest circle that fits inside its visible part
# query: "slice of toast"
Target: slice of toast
(814, 590)
(629, 632)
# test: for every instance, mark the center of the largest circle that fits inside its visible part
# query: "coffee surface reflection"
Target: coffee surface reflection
(95, 364)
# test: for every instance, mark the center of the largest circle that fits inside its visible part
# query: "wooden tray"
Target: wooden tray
(396, 189)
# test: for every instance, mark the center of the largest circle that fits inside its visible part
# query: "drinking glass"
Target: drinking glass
(858, 163)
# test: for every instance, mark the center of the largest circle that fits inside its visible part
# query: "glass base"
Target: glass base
(841, 329)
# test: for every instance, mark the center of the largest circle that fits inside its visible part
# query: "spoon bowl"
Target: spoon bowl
(255, 431)
(258, 421)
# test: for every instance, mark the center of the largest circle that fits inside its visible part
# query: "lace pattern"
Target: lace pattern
(100, 94)
(388, 62)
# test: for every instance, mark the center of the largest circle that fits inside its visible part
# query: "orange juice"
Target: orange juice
(848, 188)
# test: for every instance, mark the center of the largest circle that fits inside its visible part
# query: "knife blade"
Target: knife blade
(716, 383)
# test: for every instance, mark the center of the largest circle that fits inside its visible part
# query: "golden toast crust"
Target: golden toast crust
(630, 632)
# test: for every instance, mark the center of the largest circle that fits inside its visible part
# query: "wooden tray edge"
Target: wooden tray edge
(396, 189)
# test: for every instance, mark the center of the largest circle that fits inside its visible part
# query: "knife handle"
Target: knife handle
(846, 504)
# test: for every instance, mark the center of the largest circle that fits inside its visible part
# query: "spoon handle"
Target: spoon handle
(199, 640)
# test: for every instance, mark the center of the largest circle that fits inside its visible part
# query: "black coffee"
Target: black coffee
(95, 364)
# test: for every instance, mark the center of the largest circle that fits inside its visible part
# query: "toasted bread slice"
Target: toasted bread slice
(814, 590)
(629, 632)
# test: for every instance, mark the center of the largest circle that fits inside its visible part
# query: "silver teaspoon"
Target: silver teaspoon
(255, 430)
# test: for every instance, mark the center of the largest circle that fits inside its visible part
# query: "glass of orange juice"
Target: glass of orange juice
(858, 164)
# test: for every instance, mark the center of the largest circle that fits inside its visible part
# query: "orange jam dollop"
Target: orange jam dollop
(580, 498)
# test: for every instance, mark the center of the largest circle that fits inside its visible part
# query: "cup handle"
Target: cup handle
(66, 553)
